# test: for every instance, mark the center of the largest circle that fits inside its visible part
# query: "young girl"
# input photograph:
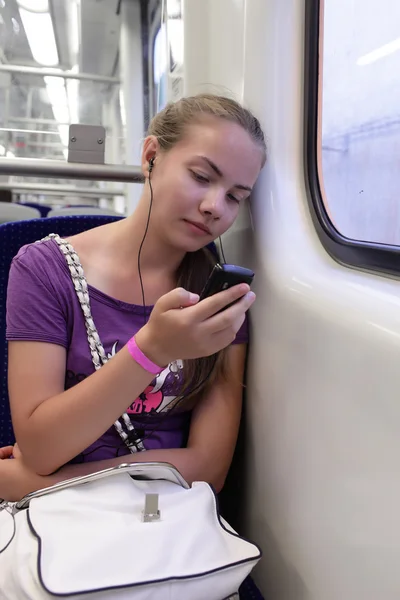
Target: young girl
(179, 379)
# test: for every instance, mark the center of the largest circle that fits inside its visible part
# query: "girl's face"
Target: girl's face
(201, 182)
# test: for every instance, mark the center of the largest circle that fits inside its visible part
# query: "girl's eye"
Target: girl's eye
(204, 179)
(199, 177)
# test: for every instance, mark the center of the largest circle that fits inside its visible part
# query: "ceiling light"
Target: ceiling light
(63, 130)
(381, 52)
(73, 96)
(40, 33)
(175, 37)
(160, 54)
(34, 5)
(61, 113)
(122, 107)
(76, 28)
(58, 98)
(174, 8)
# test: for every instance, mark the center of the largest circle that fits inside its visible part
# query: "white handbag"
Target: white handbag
(133, 532)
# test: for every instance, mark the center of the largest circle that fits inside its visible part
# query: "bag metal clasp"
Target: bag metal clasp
(151, 512)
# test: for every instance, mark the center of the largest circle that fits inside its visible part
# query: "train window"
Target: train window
(36, 111)
(359, 121)
(160, 70)
(168, 57)
(38, 40)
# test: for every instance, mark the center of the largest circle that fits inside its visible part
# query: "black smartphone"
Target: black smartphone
(223, 277)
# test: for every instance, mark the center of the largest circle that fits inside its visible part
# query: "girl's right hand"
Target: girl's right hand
(181, 327)
(6, 452)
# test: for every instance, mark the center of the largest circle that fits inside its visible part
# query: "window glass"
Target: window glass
(359, 162)
(160, 69)
(168, 57)
(36, 111)
(74, 36)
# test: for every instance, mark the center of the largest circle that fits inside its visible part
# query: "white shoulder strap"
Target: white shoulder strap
(99, 357)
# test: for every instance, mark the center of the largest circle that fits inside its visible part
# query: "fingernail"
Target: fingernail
(251, 296)
(194, 297)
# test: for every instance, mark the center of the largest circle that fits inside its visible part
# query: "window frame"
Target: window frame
(363, 255)
(154, 28)
(153, 99)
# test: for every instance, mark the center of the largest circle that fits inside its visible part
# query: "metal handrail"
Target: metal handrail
(23, 70)
(60, 190)
(32, 167)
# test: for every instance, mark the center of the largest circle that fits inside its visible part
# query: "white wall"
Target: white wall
(321, 486)
(324, 417)
(214, 38)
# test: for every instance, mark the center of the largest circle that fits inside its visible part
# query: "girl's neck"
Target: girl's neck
(156, 254)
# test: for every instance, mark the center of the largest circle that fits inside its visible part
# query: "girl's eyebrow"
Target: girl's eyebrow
(219, 172)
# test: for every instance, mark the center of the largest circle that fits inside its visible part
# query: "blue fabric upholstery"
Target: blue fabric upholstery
(249, 590)
(12, 237)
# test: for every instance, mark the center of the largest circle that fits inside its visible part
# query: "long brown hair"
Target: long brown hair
(168, 126)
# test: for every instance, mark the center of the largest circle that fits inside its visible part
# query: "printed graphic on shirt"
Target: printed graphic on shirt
(161, 393)
(158, 397)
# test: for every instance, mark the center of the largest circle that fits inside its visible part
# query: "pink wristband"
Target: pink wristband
(141, 358)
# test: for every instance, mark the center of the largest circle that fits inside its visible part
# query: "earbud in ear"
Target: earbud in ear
(151, 164)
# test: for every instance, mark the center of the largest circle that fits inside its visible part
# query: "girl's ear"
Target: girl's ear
(150, 149)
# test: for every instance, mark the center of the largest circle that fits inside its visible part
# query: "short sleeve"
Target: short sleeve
(242, 336)
(35, 309)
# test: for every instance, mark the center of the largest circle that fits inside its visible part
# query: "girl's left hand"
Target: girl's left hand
(16, 451)
(16, 479)
(6, 452)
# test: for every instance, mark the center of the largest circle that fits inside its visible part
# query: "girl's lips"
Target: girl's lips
(198, 228)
